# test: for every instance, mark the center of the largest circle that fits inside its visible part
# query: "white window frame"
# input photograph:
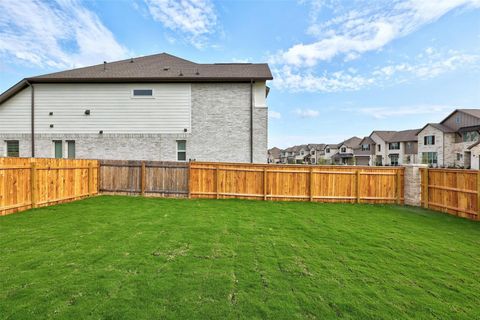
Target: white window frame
(177, 151)
(143, 97)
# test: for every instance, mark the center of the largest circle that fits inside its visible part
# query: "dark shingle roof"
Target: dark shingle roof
(405, 135)
(353, 142)
(161, 67)
(438, 126)
(384, 135)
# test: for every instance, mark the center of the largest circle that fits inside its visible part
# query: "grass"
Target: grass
(139, 258)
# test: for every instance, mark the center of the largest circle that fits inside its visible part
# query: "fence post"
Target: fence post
(90, 179)
(478, 195)
(142, 179)
(311, 184)
(217, 182)
(426, 187)
(98, 176)
(357, 185)
(189, 179)
(265, 189)
(33, 184)
(399, 187)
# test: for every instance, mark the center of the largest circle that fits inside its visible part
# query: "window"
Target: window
(429, 140)
(58, 148)
(459, 156)
(379, 147)
(327, 150)
(71, 149)
(394, 159)
(142, 93)
(181, 150)
(394, 146)
(13, 148)
(458, 119)
(365, 147)
(470, 136)
(429, 158)
(344, 149)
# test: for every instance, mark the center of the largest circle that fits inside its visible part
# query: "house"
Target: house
(317, 150)
(157, 107)
(452, 142)
(389, 148)
(274, 155)
(345, 151)
(325, 156)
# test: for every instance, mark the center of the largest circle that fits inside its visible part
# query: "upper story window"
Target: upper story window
(458, 119)
(13, 148)
(365, 147)
(327, 150)
(429, 140)
(379, 148)
(394, 146)
(142, 93)
(343, 149)
(470, 136)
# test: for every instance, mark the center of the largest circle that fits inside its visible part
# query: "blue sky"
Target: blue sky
(341, 68)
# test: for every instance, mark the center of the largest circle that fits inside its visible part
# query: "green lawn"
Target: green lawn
(139, 258)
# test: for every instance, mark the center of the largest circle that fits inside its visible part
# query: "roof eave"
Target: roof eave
(10, 92)
(163, 79)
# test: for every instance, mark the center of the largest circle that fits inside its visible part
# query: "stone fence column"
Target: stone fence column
(413, 184)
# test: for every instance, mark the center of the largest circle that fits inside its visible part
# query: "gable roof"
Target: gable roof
(367, 140)
(161, 67)
(352, 142)
(405, 135)
(275, 152)
(472, 112)
(439, 126)
(384, 135)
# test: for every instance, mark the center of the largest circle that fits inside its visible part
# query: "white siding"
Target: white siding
(15, 113)
(112, 108)
(259, 94)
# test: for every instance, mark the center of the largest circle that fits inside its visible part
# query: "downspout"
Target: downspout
(32, 117)
(251, 120)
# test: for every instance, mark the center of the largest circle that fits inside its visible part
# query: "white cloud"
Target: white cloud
(57, 34)
(274, 114)
(371, 28)
(428, 66)
(388, 112)
(306, 113)
(195, 19)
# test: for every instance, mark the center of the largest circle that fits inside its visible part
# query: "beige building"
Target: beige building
(452, 142)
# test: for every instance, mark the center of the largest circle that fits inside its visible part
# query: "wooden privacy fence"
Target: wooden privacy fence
(28, 183)
(453, 191)
(300, 183)
(150, 178)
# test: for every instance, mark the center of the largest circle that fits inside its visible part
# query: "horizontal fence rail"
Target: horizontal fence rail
(29, 183)
(149, 178)
(453, 191)
(296, 183)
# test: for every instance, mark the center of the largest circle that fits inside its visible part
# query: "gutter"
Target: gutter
(251, 120)
(32, 117)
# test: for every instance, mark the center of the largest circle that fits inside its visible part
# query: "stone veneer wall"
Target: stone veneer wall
(413, 187)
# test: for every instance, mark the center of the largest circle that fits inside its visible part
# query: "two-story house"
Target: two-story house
(450, 142)
(388, 148)
(158, 107)
(274, 155)
(345, 151)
